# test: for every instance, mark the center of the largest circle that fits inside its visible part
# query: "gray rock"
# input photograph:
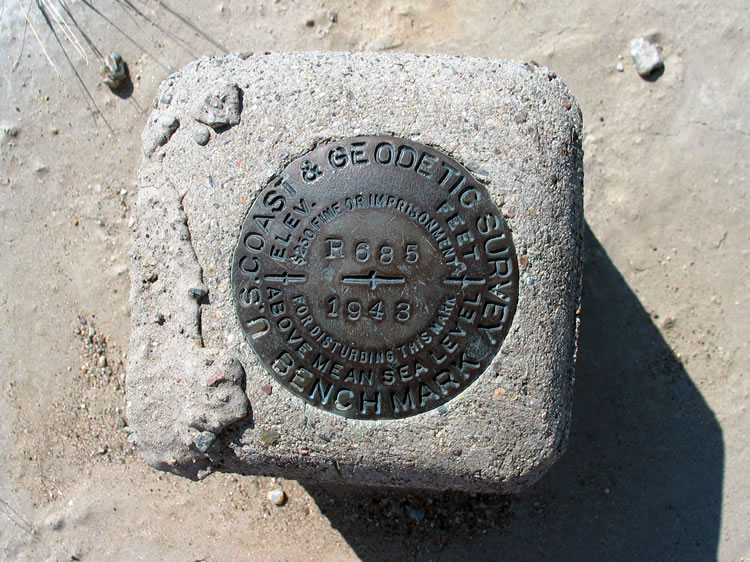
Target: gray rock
(219, 106)
(204, 440)
(205, 377)
(202, 135)
(646, 56)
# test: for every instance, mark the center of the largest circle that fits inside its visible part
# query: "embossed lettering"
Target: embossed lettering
(384, 153)
(344, 399)
(403, 402)
(335, 248)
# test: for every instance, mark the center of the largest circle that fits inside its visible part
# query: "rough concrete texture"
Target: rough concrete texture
(190, 372)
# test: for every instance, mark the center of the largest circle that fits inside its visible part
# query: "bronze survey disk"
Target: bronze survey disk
(375, 278)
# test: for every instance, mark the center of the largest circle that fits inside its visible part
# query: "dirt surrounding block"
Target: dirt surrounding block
(199, 397)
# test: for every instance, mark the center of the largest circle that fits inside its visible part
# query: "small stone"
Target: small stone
(277, 497)
(8, 132)
(114, 72)
(310, 23)
(54, 522)
(159, 318)
(201, 136)
(219, 106)
(269, 436)
(520, 117)
(267, 389)
(54, 130)
(620, 67)
(416, 513)
(204, 440)
(197, 294)
(457, 452)
(646, 56)
(216, 380)
(499, 393)
(102, 361)
(333, 16)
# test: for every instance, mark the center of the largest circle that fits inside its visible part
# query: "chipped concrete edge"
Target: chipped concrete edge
(185, 443)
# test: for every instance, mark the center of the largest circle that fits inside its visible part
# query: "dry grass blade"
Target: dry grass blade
(192, 26)
(127, 4)
(72, 37)
(67, 31)
(72, 66)
(36, 35)
(83, 33)
(117, 28)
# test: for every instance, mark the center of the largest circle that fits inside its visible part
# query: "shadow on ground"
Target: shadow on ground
(641, 479)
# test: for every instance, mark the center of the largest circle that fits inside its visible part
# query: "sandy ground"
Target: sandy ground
(657, 466)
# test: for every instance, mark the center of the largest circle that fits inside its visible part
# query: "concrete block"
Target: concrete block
(360, 268)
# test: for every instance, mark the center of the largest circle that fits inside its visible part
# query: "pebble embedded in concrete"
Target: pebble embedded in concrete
(416, 513)
(269, 437)
(201, 135)
(204, 440)
(219, 106)
(277, 497)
